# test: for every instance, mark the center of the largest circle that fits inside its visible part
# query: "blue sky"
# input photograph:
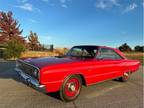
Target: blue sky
(65, 23)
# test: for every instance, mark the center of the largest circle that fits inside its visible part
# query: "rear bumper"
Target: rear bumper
(30, 80)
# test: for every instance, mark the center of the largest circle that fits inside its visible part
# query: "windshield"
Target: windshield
(82, 51)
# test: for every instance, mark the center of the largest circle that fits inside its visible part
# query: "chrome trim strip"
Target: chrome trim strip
(28, 64)
(29, 79)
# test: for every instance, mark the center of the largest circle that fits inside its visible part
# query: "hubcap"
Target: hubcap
(72, 87)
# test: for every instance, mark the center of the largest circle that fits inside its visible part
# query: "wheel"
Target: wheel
(71, 88)
(125, 77)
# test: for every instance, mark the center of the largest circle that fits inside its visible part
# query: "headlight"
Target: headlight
(35, 73)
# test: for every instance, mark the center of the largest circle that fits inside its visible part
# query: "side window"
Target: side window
(106, 53)
(85, 53)
(76, 52)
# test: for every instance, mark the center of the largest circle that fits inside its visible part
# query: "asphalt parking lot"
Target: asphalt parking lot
(109, 94)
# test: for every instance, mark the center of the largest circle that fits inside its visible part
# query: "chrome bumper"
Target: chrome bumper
(29, 80)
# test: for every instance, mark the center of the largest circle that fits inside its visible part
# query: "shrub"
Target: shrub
(139, 48)
(14, 48)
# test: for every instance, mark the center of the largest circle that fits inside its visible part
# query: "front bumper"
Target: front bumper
(29, 80)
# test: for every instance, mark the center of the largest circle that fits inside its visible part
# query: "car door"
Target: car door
(106, 65)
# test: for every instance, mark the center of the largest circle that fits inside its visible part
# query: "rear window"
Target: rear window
(105, 53)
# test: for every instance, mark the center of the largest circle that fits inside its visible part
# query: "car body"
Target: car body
(82, 65)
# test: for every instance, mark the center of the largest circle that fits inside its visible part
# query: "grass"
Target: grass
(56, 52)
(130, 55)
(38, 54)
(135, 56)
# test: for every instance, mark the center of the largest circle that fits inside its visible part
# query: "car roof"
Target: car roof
(98, 46)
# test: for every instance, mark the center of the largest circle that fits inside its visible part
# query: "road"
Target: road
(109, 94)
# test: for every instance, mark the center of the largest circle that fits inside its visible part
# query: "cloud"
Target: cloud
(45, 0)
(114, 2)
(131, 7)
(64, 6)
(63, 1)
(28, 7)
(103, 4)
(33, 21)
(22, 1)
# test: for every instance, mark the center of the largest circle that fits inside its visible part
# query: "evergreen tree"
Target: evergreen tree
(125, 48)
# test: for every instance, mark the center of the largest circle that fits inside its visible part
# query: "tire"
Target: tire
(125, 77)
(71, 88)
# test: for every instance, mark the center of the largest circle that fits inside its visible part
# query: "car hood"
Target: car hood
(47, 61)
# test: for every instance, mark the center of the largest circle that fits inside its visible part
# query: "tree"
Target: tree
(139, 48)
(10, 36)
(14, 49)
(51, 47)
(9, 28)
(34, 44)
(125, 48)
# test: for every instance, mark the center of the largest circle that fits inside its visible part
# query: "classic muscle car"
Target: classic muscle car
(81, 65)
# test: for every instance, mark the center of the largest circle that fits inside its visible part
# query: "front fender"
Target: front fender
(53, 79)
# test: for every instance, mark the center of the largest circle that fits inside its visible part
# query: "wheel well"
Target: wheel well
(83, 79)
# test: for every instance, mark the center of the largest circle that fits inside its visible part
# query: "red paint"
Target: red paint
(53, 71)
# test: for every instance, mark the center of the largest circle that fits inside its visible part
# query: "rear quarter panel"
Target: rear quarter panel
(132, 65)
(128, 65)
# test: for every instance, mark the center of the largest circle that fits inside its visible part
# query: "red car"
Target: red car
(82, 65)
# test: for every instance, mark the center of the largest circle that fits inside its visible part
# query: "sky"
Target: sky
(66, 23)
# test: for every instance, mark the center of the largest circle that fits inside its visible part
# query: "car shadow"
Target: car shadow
(54, 95)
